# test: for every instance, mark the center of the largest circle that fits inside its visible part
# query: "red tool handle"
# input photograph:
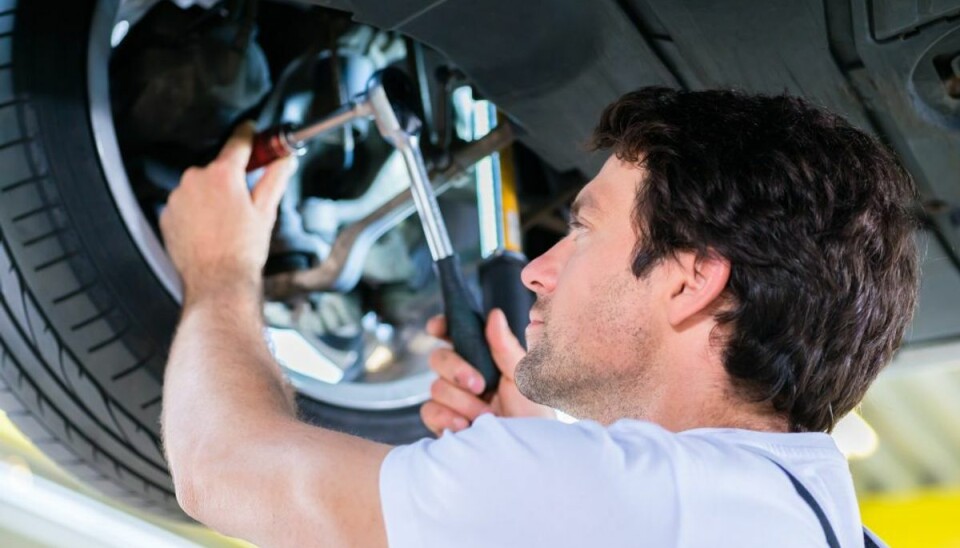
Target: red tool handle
(269, 145)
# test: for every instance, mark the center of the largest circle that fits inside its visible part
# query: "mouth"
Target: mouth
(537, 313)
(533, 328)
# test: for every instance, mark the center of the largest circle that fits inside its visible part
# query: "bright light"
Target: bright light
(37, 509)
(488, 181)
(855, 438)
(120, 31)
(379, 359)
(296, 354)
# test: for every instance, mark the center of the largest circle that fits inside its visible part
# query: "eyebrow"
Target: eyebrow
(581, 202)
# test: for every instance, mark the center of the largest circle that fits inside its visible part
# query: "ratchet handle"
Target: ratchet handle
(503, 289)
(465, 325)
(269, 145)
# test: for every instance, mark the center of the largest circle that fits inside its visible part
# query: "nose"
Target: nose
(540, 275)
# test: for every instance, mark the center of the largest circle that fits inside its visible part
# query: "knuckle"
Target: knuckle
(191, 175)
(433, 360)
(432, 416)
(427, 413)
(217, 171)
(464, 370)
(435, 326)
(477, 408)
(451, 360)
(436, 389)
(440, 360)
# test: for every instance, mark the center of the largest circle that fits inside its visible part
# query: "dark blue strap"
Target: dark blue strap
(869, 539)
(832, 541)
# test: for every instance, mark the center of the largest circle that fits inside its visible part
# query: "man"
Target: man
(734, 278)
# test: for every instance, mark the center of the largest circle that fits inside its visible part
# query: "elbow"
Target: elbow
(205, 482)
(192, 472)
(187, 490)
(187, 499)
(184, 457)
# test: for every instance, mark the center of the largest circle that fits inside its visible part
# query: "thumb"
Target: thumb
(504, 346)
(269, 190)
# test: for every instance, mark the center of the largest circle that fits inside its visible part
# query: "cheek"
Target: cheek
(594, 286)
(574, 285)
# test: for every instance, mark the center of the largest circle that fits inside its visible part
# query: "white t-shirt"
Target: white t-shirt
(537, 482)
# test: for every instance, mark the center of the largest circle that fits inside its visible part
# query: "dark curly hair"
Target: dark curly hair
(815, 218)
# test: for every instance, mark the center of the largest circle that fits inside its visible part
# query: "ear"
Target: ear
(696, 284)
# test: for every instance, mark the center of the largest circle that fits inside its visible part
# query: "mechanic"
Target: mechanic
(734, 278)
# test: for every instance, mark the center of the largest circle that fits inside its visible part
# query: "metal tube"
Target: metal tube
(338, 118)
(433, 226)
(340, 270)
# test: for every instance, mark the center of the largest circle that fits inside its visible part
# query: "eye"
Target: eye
(574, 227)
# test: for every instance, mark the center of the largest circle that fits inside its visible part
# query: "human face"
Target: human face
(592, 333)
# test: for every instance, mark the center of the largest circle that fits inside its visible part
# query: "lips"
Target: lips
(532, 332)
(537, 314)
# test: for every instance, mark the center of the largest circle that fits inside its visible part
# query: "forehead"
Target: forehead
(613, 190)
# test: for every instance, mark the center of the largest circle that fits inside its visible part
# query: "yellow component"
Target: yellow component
(512, 235)
(921, 519)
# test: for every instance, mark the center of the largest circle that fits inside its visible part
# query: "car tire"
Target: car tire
(85, 325)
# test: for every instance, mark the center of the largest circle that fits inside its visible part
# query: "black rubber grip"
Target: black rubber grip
(465, 325)
(503, 289)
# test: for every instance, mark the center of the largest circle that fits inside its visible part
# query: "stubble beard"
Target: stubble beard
(560, 372)
(552, 374)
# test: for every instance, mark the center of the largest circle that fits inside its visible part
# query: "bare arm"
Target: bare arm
(242, 463)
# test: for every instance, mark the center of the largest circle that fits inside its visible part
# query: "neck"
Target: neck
(723, 418)
(695, 390)
(687, 406)
(712, 405)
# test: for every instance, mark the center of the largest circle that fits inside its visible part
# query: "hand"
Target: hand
(216, 231)
(455, 396)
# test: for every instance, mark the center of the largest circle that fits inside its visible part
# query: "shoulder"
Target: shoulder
(559, 484)
(545, 437)
(583, 452)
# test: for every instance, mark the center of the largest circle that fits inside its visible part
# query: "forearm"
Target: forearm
(221, 382)
(241, 461)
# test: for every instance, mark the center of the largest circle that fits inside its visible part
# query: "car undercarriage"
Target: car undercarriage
(103, 106)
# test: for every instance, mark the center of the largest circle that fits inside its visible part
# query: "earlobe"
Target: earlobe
(700, 281)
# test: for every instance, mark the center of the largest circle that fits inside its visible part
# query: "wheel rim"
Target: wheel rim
(306, 377)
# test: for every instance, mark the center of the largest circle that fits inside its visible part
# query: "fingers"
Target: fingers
(437, 326)
(269, 190)
(458, 400)
(456, 371)
(236, 151)
(504, 346)
(438, 418)
(455, 400)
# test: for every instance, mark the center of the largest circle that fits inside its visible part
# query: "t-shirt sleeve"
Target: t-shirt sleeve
(530, 482)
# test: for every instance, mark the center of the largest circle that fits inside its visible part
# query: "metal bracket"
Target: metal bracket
(342, 268)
